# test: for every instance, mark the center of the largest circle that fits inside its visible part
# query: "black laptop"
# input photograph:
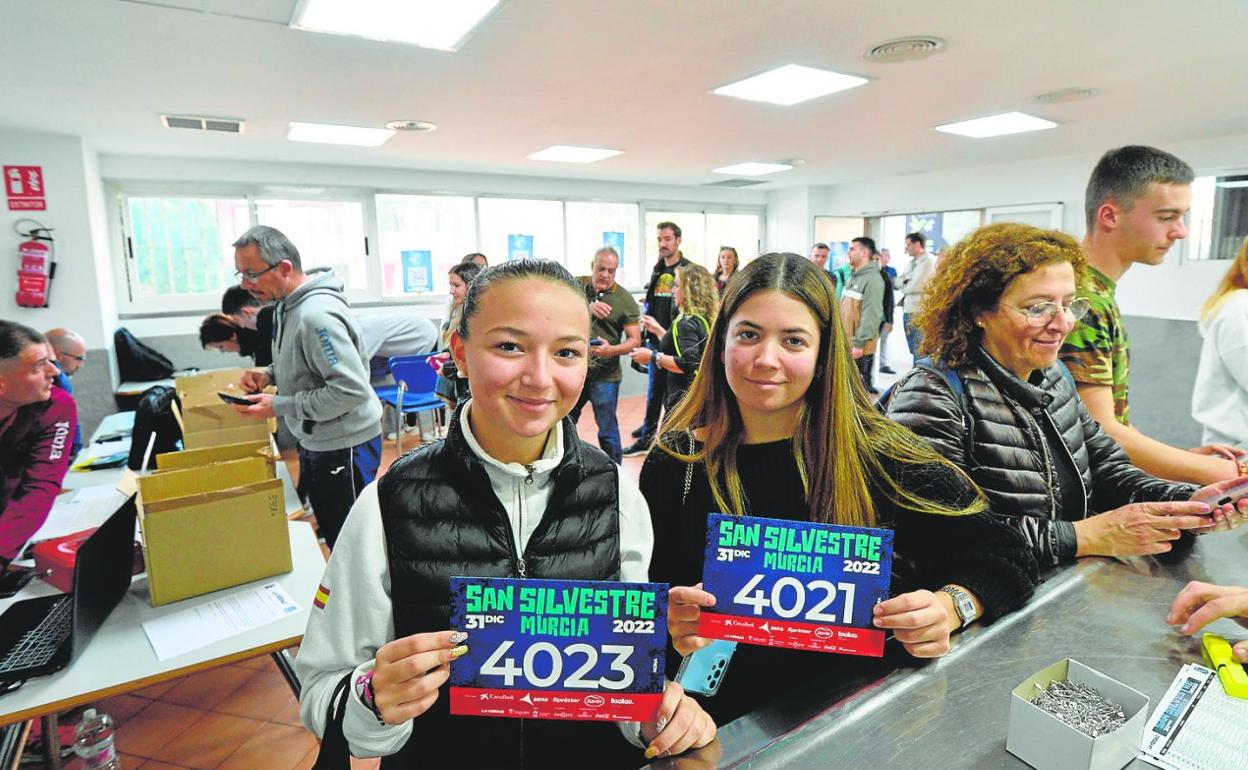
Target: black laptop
(40, 636)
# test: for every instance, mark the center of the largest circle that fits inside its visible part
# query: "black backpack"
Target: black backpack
(137, 362)
(154, 414)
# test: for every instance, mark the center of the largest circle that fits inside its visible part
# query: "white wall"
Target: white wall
(1173, 290)
(79, 299)
(791, 219)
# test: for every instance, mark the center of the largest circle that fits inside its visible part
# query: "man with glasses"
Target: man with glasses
(71, 353)
(1136, 203)
(320, 373)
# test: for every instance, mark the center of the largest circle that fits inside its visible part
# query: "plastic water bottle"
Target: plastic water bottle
(93, 741)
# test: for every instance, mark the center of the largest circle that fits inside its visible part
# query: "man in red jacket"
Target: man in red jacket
(37, 422)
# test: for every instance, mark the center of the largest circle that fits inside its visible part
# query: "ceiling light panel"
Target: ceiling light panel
(564, 153)
(753, 168)
(997, 125)
(326, 133)
(790, 84)
(438, 24)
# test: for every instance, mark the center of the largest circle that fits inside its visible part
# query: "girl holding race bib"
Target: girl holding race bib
(777, 424)
(511, 492)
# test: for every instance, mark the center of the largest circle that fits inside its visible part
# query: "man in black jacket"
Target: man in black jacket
(659, 308)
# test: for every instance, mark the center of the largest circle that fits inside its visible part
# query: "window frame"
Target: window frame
(118, 190)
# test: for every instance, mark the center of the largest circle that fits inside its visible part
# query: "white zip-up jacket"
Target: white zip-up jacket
(357, 619)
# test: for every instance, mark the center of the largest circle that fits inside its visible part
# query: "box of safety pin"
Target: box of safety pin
(1101, 722)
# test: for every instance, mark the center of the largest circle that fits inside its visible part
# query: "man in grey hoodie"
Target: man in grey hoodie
(320, 372)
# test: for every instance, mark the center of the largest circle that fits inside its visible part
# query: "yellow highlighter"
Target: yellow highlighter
(1218, 654)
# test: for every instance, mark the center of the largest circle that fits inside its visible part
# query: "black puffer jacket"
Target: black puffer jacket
(999, 441)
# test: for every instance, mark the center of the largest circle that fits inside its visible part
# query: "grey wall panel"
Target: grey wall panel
(1164, 357)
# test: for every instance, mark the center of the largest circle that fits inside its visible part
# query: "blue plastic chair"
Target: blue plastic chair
(414, 391)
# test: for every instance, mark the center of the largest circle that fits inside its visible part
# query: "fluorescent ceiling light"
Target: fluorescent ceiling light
(753, 168)
(327, 133)
(440, 24)
(790, 84)
(564, 153)
(997, 125)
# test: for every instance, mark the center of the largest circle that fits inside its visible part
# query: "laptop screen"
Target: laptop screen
(102, 573)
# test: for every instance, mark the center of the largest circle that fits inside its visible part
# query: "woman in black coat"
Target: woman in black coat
(992, 397)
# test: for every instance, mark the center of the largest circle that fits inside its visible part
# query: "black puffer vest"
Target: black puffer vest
(996, 436)
(441, 518)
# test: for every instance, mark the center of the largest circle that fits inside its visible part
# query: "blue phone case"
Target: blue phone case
(703, 671)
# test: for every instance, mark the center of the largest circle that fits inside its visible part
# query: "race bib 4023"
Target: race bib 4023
(559, 649)
(795, 584)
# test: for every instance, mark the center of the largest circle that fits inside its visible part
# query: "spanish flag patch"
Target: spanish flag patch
(322, 596)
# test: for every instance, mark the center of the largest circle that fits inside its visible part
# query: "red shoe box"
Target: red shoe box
(55, 558)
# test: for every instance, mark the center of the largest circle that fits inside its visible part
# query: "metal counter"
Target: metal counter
(953, 712)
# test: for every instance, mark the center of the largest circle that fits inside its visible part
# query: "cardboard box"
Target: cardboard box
(193, 458)
(212, 527)
(1047, 743)
(196, 389)
(251, 430)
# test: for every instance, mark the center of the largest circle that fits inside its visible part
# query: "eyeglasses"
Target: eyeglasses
(1043, 313)
(79, 359)
(250, 276)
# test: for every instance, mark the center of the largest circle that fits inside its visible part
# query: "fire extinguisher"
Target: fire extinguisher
(37, 266)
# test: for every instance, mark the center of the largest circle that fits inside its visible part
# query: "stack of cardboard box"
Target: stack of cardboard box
(213, 515)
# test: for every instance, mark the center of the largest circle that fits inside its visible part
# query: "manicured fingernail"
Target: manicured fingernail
(459, 651)
(651, 753)
(1187, 628)
(458, 637)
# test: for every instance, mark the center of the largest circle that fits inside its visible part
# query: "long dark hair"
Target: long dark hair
(840, 436)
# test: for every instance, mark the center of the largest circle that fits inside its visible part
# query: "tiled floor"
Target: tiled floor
(243, 716)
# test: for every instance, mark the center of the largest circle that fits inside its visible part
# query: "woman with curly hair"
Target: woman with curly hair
(680, 350)
(1220, 396)
(778, 424)
(993, 399)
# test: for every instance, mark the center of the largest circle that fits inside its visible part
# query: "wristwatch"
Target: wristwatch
(364, 691)
(963, 603)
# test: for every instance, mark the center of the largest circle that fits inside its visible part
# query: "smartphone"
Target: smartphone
(233, 398)
(1232, 495)
(703, 671)
(13, 580)
(596, 341)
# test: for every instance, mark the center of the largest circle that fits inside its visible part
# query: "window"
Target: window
(443, 225)
(838, 232)
(693, 246)
(593, 225)
(388, 246)
(181, 246)
(327, 234)
(512, 227)
(739, 231)
(1219, 218)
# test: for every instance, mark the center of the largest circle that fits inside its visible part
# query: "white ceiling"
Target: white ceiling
(633, 75)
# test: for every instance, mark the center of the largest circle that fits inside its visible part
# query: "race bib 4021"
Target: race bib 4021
(795, 584)
(559, 649)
